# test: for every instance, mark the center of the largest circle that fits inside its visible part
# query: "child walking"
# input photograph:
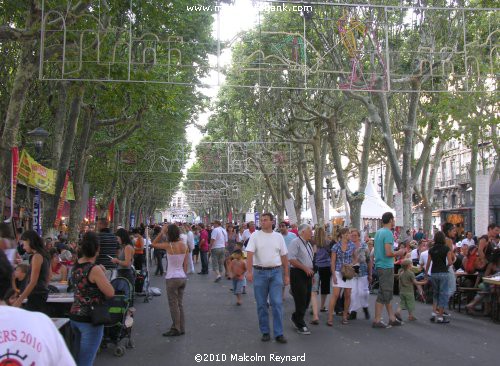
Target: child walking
(238, 269)
(406, 291)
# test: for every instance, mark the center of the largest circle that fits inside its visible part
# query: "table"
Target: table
(61, 298)
(61, 286)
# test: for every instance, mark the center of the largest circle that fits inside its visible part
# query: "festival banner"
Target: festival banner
(92, 209)
(60, 205)
(257, 219)
(34, 174)
(111, 210)
(37, 212)
(132, 220)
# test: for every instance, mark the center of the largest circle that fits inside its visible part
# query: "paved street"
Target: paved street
(214, 325)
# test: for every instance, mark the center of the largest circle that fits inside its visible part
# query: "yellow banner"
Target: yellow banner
(36, 175)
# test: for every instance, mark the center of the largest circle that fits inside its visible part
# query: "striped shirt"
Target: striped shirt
(108, 245)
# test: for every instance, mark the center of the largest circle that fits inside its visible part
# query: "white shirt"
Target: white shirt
(31, 335)
(414, 254)
(424, 256)
(184, 238)
(190, 240)
(246, 235)
(466, 242)
(218, 237)
(267, 248)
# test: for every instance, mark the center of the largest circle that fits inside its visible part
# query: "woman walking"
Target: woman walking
(177, 259)
(322, 262)
(343, 253)
(91, 288)
(441, 257)
(125, 256)
(37, 289)
(450, 231)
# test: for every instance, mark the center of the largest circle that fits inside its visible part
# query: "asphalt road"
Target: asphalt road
(216, 326)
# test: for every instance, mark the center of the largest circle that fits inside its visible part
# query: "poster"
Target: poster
(249, 216)
(290, 210)
(257, 219)
(132, 220)
(482, 203)
(398, 201)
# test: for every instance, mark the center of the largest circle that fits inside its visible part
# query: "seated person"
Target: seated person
(20, 278)
(58, 271)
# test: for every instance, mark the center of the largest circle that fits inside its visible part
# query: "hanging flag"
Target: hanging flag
(37, 212)
(92, 209)
(13, 181)
(111, 210)
(61, 200)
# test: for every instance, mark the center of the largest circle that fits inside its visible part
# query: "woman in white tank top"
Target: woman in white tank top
(177, 259)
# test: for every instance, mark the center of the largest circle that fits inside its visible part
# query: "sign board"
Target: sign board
(482, 204)
(249, 216)
(290, 210)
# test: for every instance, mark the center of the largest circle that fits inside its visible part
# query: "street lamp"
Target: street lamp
(38, 135)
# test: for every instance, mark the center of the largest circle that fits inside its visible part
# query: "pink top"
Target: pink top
(175, 267)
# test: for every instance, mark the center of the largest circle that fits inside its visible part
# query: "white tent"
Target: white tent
(373, 206)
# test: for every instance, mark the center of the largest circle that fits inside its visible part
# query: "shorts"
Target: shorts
(386, 285)
(237, 286)
(407, 301)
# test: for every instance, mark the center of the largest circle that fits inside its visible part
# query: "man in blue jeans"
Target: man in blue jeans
(266, 259)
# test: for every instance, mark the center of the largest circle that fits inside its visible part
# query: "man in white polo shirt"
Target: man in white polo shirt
(217, 246)
(266, 259)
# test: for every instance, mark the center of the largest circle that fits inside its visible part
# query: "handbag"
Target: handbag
(100, 315)
(347, 272)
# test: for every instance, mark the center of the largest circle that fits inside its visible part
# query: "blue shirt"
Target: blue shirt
(343, 257)
(382, 237)
(288, 238)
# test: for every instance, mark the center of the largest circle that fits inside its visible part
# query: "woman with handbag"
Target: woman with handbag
(91, 289)
(342, 257)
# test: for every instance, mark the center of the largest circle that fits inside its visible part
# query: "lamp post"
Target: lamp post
(38, 136)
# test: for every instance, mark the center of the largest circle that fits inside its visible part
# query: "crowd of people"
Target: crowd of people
(344, 265)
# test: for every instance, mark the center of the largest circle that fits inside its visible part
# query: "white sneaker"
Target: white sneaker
(304, 331)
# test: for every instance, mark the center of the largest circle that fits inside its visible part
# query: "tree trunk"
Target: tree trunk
(63, 164)
(59, 122)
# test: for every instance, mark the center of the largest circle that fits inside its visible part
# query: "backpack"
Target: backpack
(472, 259)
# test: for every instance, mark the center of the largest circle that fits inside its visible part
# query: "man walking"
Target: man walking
(300, 255)
(204, 248)
(384, 262)
(266, 259)
(217, 246)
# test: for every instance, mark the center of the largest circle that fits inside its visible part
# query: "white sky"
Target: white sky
(233, 19)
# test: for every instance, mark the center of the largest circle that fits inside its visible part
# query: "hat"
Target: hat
(406, 262)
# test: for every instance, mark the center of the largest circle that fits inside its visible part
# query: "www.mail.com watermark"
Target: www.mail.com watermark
(262, 7)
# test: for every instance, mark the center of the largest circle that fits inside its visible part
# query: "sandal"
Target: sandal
(315, 322)
(345, 321)
(323, 310)
(329, 323)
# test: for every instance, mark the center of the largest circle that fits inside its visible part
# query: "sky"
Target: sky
(233, 19)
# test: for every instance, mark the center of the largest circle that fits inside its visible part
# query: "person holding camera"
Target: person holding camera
(342, 257)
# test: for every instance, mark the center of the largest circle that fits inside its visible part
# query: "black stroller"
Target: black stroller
(121, 316)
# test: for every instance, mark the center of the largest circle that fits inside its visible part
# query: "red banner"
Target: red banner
(13, 182)
(61, 200)
(230, 217)
(111, 211)
(92, 203)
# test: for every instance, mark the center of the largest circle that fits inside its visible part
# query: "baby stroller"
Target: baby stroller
(121, 316)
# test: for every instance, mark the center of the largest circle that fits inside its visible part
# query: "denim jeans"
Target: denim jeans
(87, 338)
(269, 283)
(204, 261)
(440, 289)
